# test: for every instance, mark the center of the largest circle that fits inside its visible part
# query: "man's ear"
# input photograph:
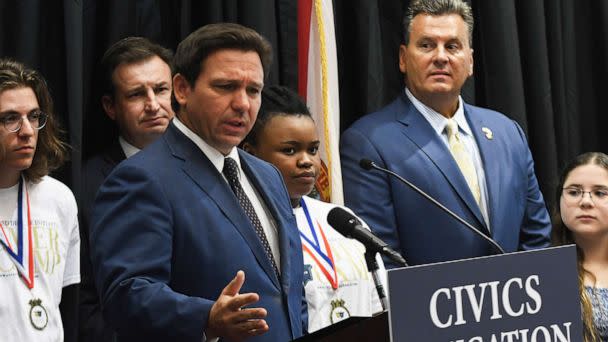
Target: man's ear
(108, 106)
(471, 64)
(181, 89)
(402, 58)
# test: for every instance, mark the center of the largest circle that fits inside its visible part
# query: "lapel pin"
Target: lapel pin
(487, 132)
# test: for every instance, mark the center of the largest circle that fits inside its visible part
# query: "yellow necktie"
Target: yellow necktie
(463, 159)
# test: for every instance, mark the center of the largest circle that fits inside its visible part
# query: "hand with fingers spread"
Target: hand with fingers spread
(230, 320)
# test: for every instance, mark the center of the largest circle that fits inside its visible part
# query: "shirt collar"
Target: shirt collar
(128, 149)
(215, 156)
(438, 121)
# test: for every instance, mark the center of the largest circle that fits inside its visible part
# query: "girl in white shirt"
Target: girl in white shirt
(337, 282)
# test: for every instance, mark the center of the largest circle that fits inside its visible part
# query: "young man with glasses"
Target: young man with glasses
(39, 239)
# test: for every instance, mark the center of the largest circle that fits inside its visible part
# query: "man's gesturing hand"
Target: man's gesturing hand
(229, 319)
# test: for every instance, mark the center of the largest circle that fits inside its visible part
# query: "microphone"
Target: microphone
(348, 225)
(367, 164)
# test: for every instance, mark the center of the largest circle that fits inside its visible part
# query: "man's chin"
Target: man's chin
(155, 131)
(226, 145)
(441, 88)
(22, 164)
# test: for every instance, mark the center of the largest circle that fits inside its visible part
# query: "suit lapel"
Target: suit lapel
(200, 169)
(488, 148)
(421, 133)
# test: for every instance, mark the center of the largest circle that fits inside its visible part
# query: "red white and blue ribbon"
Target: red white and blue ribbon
(22, 255)
(320, 253)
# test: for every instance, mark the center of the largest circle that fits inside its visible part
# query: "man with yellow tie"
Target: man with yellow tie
(474, 161)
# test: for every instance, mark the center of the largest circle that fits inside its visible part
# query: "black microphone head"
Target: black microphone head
(342, 221)
(366, 164)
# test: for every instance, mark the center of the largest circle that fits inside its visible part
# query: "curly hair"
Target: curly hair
(51, 152)
(276, 100)
(561, 235)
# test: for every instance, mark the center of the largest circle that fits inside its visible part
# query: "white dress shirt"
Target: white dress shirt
(128, 149)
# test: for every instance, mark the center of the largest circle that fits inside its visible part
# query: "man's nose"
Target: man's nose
(26, 128)
(240, 101)
(441, 55)
(151, 104)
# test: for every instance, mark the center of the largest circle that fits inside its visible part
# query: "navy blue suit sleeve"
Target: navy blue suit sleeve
(131, 251)
(536, 225)
(368, 193)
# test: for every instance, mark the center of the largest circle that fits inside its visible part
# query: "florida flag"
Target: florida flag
(318, 84)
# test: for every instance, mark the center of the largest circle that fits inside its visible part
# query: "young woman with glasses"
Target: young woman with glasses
(581, 218)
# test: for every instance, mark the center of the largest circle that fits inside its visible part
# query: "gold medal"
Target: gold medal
(38, 315)
(339, 312)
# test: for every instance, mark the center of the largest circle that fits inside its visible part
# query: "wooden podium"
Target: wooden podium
(353, 329)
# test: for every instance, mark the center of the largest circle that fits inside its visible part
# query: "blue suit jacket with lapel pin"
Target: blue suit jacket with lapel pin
(399, 138)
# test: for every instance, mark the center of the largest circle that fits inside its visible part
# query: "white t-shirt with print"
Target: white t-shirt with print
(56, 246)
(356, 294)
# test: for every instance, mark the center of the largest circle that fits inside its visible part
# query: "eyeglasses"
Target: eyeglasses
(13, 122)
(575, 195)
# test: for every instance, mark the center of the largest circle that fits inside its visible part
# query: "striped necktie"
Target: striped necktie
(463, 159)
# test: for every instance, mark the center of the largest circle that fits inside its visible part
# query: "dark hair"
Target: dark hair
(561, 235)
(276, 100)
(192, 52)
(436, 8)
(129, 50)
(51, 152)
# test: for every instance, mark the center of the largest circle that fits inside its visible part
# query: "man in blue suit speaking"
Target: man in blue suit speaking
(193, 239)
(475, 161)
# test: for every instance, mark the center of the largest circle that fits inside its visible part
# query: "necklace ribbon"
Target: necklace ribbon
(22, 257)
(313, 248)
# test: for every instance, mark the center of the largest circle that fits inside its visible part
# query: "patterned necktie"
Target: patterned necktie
(231, 171)
(463, 159)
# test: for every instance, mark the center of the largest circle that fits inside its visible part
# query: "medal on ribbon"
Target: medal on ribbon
(38, 315)
(320, 253)
(339, 312)
(22, 254)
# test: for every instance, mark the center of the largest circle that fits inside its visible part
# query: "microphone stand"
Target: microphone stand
(368, 165)
(372, 266)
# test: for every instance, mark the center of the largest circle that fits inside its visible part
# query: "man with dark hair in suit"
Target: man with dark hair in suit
(473, 160)
(137, 96)
(195, 239)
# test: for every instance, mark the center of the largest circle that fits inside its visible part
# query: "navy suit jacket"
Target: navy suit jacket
(168, 235)
(399, 138)
(92, 327)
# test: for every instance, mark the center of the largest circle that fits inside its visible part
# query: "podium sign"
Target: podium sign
(520, 297)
